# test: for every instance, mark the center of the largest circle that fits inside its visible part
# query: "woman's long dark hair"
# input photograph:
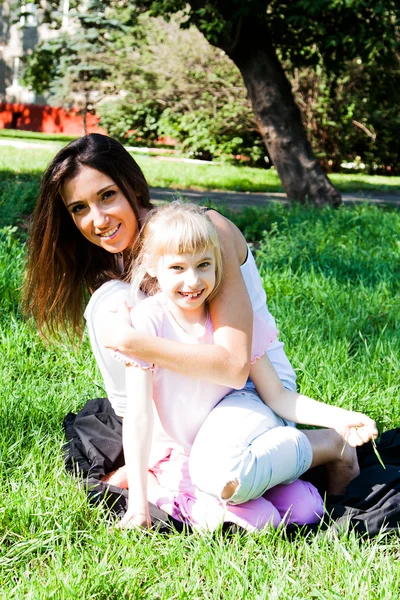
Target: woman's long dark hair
(62, 266)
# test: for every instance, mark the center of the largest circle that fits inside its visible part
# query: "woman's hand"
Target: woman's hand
(112, 326)
(356, 428)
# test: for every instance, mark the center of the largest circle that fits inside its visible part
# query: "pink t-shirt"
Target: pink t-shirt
(182, 403)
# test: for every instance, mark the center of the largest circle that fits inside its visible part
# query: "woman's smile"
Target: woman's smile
(111, 233)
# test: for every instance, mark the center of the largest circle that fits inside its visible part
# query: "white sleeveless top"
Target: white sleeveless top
(255, 288)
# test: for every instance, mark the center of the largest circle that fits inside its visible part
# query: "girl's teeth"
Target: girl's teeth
(194, 295)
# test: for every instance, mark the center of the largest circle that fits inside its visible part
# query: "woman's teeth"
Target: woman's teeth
(109, 233)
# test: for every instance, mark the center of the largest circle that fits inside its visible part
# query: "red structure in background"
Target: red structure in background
(46, 119)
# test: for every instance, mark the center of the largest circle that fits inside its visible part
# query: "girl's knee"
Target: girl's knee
(230, 489)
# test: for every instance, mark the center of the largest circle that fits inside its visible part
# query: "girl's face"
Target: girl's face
(186, 279)
(100, 210)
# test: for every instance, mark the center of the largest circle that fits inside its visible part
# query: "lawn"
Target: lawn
(161, 171)
(332, 282)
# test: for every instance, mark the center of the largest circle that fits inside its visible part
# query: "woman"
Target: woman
(84, 231)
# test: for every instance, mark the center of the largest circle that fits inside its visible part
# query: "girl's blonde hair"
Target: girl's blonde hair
(176, 228)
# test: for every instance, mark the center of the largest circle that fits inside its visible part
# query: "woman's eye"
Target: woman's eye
(108, 195)
(78, 208)
(176, 268)
(203, 265)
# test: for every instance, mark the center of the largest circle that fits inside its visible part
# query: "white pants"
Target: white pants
(244, 441)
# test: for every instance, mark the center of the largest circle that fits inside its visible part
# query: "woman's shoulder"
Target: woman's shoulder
(230, 236)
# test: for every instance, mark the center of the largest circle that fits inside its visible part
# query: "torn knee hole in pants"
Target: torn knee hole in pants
(230, 489)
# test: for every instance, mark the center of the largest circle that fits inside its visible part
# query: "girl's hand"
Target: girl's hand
(356, 428)
(134, 521)
(112, 326)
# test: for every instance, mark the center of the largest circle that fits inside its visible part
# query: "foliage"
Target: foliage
(192, 92)
(132, 121)
(184, 89)
(303, 30)
(351, 118)
(328, 42)
(80, 65)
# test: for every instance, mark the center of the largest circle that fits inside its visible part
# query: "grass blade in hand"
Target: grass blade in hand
(378, 456)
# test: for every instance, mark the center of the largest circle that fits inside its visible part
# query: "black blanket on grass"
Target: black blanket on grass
(371, 502)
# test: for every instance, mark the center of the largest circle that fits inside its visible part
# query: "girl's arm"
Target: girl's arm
(137, 433)
(225, 362)
(354, 427)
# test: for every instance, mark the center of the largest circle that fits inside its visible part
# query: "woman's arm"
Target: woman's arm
(226, 362)
(137, 433)
(354, 427)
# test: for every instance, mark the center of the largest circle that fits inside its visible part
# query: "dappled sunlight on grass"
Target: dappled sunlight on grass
(363, 181)
(182, 175)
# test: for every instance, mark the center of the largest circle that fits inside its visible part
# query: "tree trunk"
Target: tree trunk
(278, 116)
(84, 119)
(85, 112)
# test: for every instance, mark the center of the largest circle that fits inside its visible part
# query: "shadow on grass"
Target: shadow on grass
(18, 193)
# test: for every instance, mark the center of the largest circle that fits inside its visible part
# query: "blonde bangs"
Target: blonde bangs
(182, 233)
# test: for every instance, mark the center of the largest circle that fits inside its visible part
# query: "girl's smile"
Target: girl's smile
(100, 210)
(193, 295)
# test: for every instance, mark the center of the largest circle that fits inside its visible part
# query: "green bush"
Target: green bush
(131, 121)
(203, 135)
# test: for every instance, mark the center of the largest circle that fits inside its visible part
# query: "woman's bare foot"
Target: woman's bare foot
(342, 470)
(117, 478)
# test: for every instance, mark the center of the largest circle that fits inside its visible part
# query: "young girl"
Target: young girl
(179, 267)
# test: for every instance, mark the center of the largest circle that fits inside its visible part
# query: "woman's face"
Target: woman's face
(100, 210)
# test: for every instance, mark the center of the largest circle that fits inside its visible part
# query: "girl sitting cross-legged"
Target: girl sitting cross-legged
(169, 415)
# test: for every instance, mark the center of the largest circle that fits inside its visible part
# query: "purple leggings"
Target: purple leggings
(298, 502)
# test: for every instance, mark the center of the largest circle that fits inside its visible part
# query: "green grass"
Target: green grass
(181, 175)
(332, 283)
(18, 134)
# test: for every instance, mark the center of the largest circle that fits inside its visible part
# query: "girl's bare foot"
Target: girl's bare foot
(342, 470)
(117, 478)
